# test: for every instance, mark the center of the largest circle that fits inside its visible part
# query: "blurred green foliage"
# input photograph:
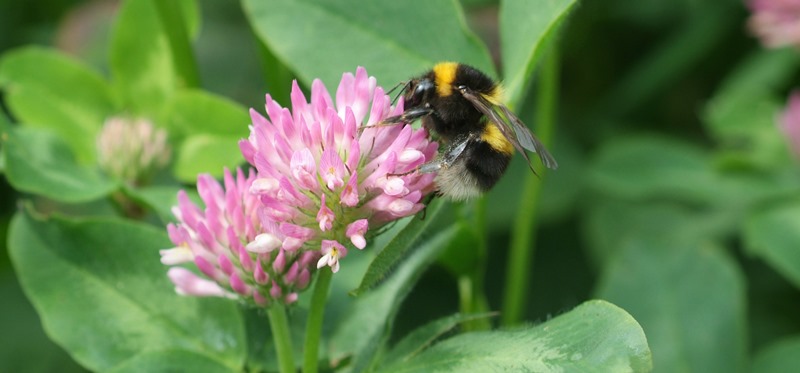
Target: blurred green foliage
(676, 199)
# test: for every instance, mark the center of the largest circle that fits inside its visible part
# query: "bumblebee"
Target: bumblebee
(464, 107)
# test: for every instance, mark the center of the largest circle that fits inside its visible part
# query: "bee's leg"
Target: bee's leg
(408, 116)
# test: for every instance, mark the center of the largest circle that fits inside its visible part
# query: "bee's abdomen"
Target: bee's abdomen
(487, 164)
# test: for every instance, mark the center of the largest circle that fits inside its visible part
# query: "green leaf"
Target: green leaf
(774, 235)
(140, 59)
(103, 295)
(41, 163)
(783, 356)
(172, 361)
(644, 166)
(689, 299)
(397, 248)
(369, 321)
(424, 336)
(594, 337)
(198, 112)
(324, 38)
(526, 29)
(47, 89)
(744, 99)
(160, 198)
(206, 154)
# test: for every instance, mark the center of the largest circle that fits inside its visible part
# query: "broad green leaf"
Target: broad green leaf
(141, 61)
(169, 361)
(396, 250)
(782, 356)
(206, 154)
(596, 336)
(24, 346)
(369, 321)
(526, 29)
(103, 294)
(198, 112)
(774, 235)
(41, 163)
(689, 299)
(423, 337)
(47, 89)
(160, 198)
(324, 38)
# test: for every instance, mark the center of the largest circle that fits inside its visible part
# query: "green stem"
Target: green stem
(282, 337)
(315, 318)
(171, 16)
(524, 230)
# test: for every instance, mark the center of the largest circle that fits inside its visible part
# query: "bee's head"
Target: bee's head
(418, 91)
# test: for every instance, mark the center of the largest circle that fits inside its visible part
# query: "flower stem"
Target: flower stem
(315, 318)
(174, 24)
(524, 231)
(282, 337)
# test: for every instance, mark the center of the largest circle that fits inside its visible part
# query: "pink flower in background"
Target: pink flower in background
(233, 245)
(323, 179)
(790, 122)
(776, 22)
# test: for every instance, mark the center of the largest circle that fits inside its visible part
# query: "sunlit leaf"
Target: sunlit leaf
(47, 89)
(418, 34)
(206, 154)
(103, 295)
(39, 162)
(526, 29)
(782, 356)
(594, 337)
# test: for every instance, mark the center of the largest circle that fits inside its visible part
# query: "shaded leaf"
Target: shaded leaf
(346, 35)
(526, 29)
(421, 338)
(47, 89)
(369, 321)
(774, 235)
(594, 337)
(104, 296)
(397, 248)
(782, 356)
(689, 299)
(41, 163)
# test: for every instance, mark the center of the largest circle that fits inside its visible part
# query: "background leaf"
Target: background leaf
(141, 62)
(45, 88)
(103, 295)
(774, 236)
(689, 299)
(41, 163)
(347, 35)
(782, 356)
(172, 361)
(526, 29)
(206, 154)
(594, 337)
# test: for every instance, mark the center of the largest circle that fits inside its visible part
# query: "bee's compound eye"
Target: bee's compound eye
(423, 86)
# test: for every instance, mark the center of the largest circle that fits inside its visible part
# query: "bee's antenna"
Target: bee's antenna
(404, 84)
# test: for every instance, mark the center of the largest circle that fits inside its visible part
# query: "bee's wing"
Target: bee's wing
(512, 128)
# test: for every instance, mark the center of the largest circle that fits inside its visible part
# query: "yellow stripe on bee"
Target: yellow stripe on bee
(445, 74)
(492, 135)
(496, 96)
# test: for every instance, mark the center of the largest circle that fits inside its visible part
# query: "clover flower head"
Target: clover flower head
(132, 150)
(233, 246)
(325, 177)
(775, 22)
